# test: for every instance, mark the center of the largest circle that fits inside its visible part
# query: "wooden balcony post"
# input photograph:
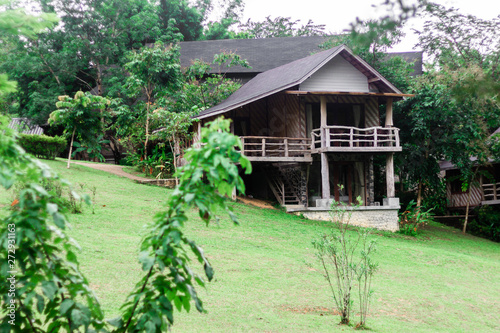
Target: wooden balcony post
(388, 113)
(375, 137)
(242, 145)
(389, 175)
(323, 121)
(283, 193)
(263, 147)
(328, 137)
(324, 140)
(351, 137)
(286, 147)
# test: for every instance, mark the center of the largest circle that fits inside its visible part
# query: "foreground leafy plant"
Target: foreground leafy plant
(49, 294)
(209, 176)
(342, 266)
(46, 291)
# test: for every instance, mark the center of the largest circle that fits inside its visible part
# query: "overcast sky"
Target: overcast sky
(338, 14)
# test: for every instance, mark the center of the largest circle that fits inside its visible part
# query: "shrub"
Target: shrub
(486, 224)
(342, 266)
(414, 218)
(43, 146)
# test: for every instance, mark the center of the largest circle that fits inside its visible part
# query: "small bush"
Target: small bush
(486, 224)
(413, 218)
(43, 146)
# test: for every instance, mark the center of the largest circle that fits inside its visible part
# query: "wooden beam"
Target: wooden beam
(374, 79)
(307, 159)
(345, 93)
(335, 149)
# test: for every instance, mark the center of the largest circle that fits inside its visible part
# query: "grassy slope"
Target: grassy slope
(442, 281)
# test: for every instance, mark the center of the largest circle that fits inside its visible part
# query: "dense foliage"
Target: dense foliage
(43, 146)
(83, 117)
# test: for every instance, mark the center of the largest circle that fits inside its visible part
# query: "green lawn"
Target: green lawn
(442, 281)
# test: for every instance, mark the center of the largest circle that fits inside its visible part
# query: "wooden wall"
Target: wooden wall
(337, 75)
(459, 200)
(284, 115)
(372, 117)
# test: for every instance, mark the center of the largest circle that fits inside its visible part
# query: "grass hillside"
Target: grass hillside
(266, 275)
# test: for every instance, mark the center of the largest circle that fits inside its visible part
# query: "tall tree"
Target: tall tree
(280, 27)
(153, 73)
(187, 19)
(81, 116)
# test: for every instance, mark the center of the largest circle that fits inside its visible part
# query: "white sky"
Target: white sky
(338, 14)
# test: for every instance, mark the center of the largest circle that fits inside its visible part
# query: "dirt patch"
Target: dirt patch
(112, 168)
(256, 203)
(319, 310)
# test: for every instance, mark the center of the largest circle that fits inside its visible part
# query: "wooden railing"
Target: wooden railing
(265, 146)
(353, 137)
(491, 191)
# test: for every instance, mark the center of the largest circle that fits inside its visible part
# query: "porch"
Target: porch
(355, 139)
(327, 139)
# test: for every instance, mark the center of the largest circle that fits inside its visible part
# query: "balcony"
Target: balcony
(491, 194)
(353, 139)
(276, 149)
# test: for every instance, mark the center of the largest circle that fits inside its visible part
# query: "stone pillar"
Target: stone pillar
(371, 181)
(325, 177)
(389, 175)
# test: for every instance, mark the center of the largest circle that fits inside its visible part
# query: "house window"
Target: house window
(453, 178)
(337, 114)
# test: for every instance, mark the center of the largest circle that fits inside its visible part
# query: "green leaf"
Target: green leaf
(51, 208)
(40, 303)
(116, 322)
(49, 289)
(71, 257)
(208, 271)
(150, 327)
(65, 306)
(178, 303)
(77, 317)
(146, 260)
(59, 220)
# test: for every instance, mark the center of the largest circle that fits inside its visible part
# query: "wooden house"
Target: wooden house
(485, 190)
(311, 128)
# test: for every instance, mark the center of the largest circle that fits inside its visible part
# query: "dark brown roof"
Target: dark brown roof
(267, 53)
(290, 75)
(262, 54)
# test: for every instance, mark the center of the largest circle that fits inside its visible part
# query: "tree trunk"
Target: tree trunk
(147, 132)
(419, 195)
(71, 147)
(467, 211)
(175, 162)
(468, 200)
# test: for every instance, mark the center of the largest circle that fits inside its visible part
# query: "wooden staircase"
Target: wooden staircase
(283, 187)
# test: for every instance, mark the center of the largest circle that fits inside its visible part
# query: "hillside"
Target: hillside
(267, 278)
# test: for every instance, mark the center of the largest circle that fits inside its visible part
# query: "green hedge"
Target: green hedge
(43, 146)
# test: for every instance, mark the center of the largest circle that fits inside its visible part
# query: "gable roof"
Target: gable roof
(264, 54)
(293, 74)
(25, 126)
